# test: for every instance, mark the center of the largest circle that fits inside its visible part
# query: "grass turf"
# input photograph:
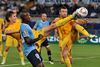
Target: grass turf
(83, 56)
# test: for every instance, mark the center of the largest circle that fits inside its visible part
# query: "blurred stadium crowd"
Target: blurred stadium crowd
(51, 7)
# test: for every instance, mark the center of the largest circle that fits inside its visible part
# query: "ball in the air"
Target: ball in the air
(82, 11)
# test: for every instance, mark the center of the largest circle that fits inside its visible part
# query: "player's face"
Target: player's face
(44, 17)
(13, 18)
(63, 13)
(27, 16)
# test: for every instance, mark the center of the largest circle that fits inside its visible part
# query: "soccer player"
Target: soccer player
(67, 35)
(29, 41)
(29, 45)
(1, 27)
(43, 22)
(12, 22)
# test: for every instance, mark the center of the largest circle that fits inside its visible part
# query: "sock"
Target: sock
(21, 56)
(0, 48)
(5, 55)
(67, 62)
(64, 21)
(49, 55)
(81, 30)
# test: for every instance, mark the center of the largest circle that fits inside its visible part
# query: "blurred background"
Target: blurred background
(51, 7)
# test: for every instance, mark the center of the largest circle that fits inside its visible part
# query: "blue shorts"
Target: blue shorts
(34, 58)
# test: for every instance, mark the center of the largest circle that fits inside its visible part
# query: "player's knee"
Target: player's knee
(64, 53)
(6, 49)
(19, 49)
(48, 48)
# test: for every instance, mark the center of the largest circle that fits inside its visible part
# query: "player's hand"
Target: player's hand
(75, 13)
(8, 31)
(40, 36)
(37, 45)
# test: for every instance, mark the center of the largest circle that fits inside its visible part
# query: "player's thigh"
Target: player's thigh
(34, 58)
(15, 42)
(9, 41)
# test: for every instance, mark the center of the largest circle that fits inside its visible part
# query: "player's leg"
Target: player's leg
(8, 45)
(5, 53)
(47, 46)
(65, 50)
(0, 48)
(81, 29)
(66, 57)
(35, 59)
(70, 56)
(20, 51)
(29, 4)
(0, 44)
(61, 57)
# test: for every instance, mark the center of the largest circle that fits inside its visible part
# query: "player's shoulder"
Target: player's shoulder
(38, 21)
(18, 20)
(56, 19)
(23, 24)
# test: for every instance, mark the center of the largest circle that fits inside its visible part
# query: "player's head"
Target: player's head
(10, 17)
(44, 16)
(63, 12)
(25, 16)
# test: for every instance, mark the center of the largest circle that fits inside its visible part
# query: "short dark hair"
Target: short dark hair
(63, 7)
(22, 16)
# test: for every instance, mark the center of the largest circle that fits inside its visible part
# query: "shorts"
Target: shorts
(45, 43)
(34, 58)
(10, 41)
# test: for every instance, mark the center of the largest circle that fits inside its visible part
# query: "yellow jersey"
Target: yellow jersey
(15, 27)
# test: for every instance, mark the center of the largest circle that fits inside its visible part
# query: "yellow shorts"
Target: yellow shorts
(10, 41)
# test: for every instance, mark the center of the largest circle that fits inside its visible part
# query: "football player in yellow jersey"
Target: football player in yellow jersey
(1, 27)
(67, 36)
(46, 30)
(12, 23)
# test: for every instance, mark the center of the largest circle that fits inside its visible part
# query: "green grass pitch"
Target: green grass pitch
(83, 56)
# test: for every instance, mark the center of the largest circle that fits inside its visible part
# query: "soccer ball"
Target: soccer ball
(82, 11)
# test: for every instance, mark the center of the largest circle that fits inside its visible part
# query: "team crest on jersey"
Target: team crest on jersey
(25, 31)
